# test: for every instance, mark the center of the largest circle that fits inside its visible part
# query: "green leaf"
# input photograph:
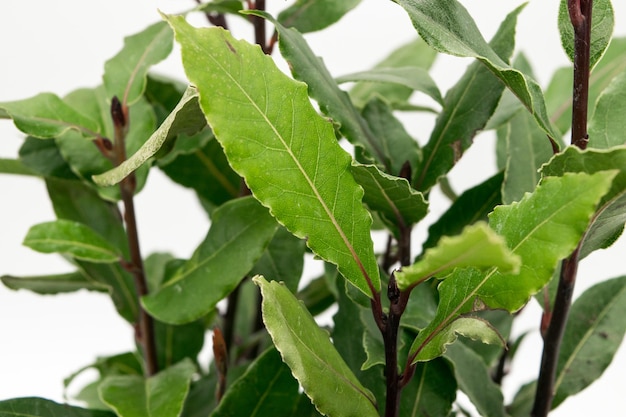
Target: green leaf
(522, 404)
(15, 167)
(312, 15)
(125, 73)
(39, 407)
(175, 343)
(185, 118)
(543, 228)
(477, 246)
(447, 27)
(412, 54)
(266, 389)
(221, 6)
(601, 29)
(392, 197)
(43, 158)
(72, 238)
(607, 125)
(611, 215)
(475, 381)
(468, 106)
(286, 152)
(239, 233)
(313, 359)
(161, 395)
(51, 284)
(431, 392)
(415, 78)
(46, 116)
(594, 332)
(471, 206)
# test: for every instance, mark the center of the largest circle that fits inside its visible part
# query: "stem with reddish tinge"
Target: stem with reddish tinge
(580, 16)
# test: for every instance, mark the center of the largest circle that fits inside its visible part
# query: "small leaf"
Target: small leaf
(286, 152)
(607, 126)
(477, 246)
(594, 332)
(312, 15)
(47, 116)
(39, 407)
(415, 78)
(267, 388)
(601, 29)
(448, 27)
(73, 238)
(125, 73)
(185, 118)
(240, 231)
(313, 359)
(161, 395)
(51, 284)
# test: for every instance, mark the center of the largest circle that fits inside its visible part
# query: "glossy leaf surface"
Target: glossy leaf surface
(313, 359)
(240, 231)
(287, 153)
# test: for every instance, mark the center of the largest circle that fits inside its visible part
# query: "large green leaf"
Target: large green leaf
(607, 126)
(543, 228)
(477, 246)
(52, 284)
(313, 359)
(602, 21)
(448, 27)
(311, 15)
(185, 118)
(240, 231)
(175, 343)
(46, 116)
(125, 73)
(610, 217)
(39, 407)
(72, 238)
(468, 106)
(431, 392)
(161, 395)
(267, 388)
(594, 332)
(286, 152)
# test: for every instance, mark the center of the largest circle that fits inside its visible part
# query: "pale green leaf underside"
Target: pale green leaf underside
(543, 228)
(161, 395)
(477, 246)
(185, 118)
(447, 27)
(313, 359)
(285, 151)
(75, 239)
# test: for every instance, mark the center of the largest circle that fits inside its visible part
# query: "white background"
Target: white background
(61, 45)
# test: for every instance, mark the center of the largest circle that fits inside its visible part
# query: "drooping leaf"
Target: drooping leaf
(471, 206)
(125, 73)
(611, 215)
(477, 246)
(185, 118)
(239, 233)
(392, 197)
(607, 125)
(313, 359)
(72, 238)
(448, 27)
(267, 388)
(39, 407)
(51, 284)
(414, 78)
(543, 228)
(47, 116)
(474, 380)
(43, 157)
(431, 392)
(593, 334)
(412, 54)
(601, 29)
(468, 106)
(161, 395)
(287, 153)
(312, 15)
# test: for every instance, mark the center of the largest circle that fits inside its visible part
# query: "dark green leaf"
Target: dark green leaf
(175, 343)
(15, 167)
(163, 93)
(51, 284)
(201, 398)
(39, 407)
(221, 6)
(431, 392)
(239, 233)
(43, 157)
(312, 15)
(522, 404)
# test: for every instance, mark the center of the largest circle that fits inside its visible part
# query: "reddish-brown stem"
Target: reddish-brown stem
(216, 19)
(260, 36)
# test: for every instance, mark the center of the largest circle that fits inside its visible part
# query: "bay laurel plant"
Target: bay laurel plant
(265, 153)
